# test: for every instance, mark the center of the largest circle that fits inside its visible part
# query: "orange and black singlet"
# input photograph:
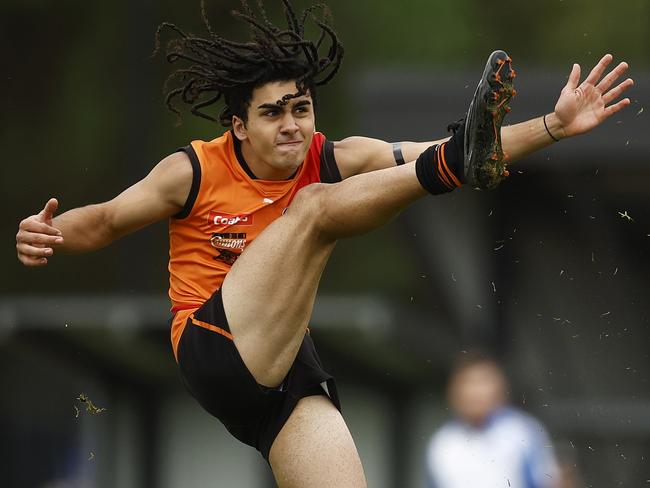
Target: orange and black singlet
(226, 209)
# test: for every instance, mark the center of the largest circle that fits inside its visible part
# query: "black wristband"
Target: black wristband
(549, 132)
(397, 153)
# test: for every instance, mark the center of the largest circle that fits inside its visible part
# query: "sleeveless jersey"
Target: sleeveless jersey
(225, 210)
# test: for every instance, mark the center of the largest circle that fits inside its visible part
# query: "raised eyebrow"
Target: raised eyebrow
(272, 106)
(275, 106)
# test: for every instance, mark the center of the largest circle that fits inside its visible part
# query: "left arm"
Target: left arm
(355, 155)
(579, 109)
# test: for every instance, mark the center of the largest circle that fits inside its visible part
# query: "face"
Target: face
(275, 139)
(477, 391)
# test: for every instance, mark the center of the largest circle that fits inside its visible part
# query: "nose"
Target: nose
(289, 124)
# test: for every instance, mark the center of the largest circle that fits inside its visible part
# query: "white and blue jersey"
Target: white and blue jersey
(511, 450)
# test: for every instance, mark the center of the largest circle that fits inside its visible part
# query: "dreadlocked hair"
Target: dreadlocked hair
(213, 68)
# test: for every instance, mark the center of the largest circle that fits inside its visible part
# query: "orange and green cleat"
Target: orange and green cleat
(484, 159)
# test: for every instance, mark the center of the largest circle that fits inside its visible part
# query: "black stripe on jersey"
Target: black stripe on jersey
(240, 156)
(329, 170)
(196, 182)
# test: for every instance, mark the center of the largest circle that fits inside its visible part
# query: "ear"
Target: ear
(239, 128)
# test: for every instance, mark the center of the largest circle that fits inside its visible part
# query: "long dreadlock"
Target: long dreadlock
(215, 67)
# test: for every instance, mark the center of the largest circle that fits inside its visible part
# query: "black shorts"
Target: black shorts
(215, 374)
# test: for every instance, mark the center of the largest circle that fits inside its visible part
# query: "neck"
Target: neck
(261, 169)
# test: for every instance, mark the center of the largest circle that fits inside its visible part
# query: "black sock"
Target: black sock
(440, 168)
(454, 154)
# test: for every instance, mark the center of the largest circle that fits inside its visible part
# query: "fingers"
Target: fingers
(599, 69)
(35, 246)
(35, 239)
(617, 91)
(39, 239)
(574, 77)
(50, 208)
(30, 251)
(32, 262)
(612, 109)
(33, 256)
(32, 224)
(611, 77)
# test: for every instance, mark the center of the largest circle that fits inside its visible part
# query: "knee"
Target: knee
(310, 206)
(310, 194)
(308, 201)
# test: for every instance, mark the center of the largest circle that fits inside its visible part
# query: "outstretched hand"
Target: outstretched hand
(581, 107)
(36, 234)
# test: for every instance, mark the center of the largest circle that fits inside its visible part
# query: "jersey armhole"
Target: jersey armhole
(196, 182)
(329, 170)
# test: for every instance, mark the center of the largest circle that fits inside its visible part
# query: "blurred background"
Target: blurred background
(549, 272)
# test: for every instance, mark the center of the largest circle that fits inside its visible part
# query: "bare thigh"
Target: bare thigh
(315, 449)
(269, 293)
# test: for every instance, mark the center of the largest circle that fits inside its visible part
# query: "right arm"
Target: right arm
(161, 194)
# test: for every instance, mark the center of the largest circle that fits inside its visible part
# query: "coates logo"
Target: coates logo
(222, 219)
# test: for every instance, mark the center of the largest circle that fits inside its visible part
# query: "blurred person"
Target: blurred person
(570, 475)
(489, 444)
(255, 213)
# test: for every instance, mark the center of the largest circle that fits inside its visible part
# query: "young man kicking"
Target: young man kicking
(255, 214)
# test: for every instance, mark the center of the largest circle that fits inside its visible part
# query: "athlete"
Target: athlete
(255, 213)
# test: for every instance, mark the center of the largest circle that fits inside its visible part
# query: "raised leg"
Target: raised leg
(269, 293)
